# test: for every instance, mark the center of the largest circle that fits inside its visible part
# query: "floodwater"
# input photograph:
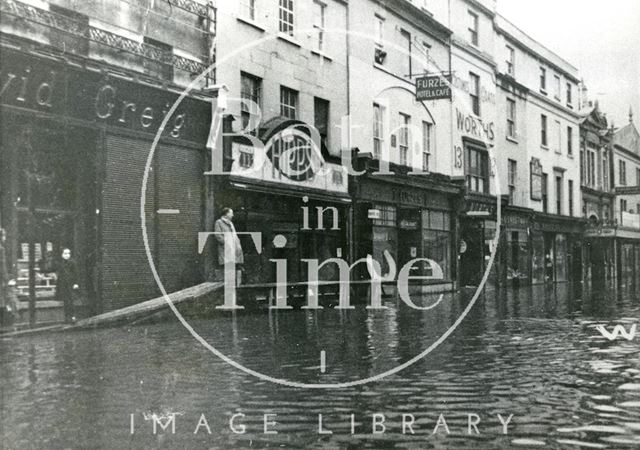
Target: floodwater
(531, 358)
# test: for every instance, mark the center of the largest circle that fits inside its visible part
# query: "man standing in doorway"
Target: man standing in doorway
(225, 225)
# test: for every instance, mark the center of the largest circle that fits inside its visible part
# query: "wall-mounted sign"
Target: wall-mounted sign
(475, 127)
(433, 87)
(536, 179)
(374, 214)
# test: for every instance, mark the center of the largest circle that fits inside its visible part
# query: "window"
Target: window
(250, 8)
(558, 137)
(319, 23)
(570, 194)
(569, 95)
(476, 169)
(605, 171)
(474, 92)
(473, 28)
(378, 130)
(591, 168)
(569, 141)
(622, 167)
(623, 209)
(556, 87)
(545, 193)
(403, 138)
(544, 141)
(511, 118)
(436, 235)
(288, 103)
(426, 145)
(406, 66)
(321, 118)
(512, 179)
(511, 60)
(251, 91)
(379, 30)
(637, 177)
(559, 183)
(286, 17)
(543, 80)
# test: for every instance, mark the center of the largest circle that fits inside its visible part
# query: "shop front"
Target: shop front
(400, 218)
(556, 244)
(297, 193)
(515, 248)
(477, 233)
(627, 245)
(73, 152)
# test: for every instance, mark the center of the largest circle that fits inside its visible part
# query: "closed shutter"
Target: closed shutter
(179, 184)
(126, 275)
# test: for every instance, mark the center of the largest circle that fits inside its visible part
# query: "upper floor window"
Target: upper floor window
(286, 17)
(511, 60)
(474, 92)
(319, 23)
(543, 79)
(321, 118)
(288, 103)
(511, 118)
(406, 42)
(558, 137)
(590, 169)
(403, 138)
(559, 184)
(570, 196)
(512, 179)
(569, 141)
(250, 8)
(378, 130)
(251, 92)
(556, 87)
(569, 95)
(638, 179)
(622, 168)
(544, 131)
(379, 30)
(473, 28)
(605, 171)
(545, 192)
(476, 169)
(426, 145)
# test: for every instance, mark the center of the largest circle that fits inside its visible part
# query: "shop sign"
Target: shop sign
(473, 126)
(536, 179)
(289, 159)
(475, 208)
(38, 84)
(374, 214)
(433, 87)
(408, 224)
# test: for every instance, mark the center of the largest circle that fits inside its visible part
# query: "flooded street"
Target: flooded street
(534, 354)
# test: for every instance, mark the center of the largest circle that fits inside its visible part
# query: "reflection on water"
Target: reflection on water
(533, 353)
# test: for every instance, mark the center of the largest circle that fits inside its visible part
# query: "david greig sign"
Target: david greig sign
(433, 87)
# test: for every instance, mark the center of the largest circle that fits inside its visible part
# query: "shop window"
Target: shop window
(538, 258)
(288, 102)
(388, 216)
(560, 262)
(436, 236)
(286, 17)
(477, 169)
(251, 91)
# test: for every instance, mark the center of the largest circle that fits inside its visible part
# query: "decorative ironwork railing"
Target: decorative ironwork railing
(60, 22)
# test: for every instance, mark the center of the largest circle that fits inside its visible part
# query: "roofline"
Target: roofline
(532, 51)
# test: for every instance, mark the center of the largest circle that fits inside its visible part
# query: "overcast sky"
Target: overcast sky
(600, 37)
